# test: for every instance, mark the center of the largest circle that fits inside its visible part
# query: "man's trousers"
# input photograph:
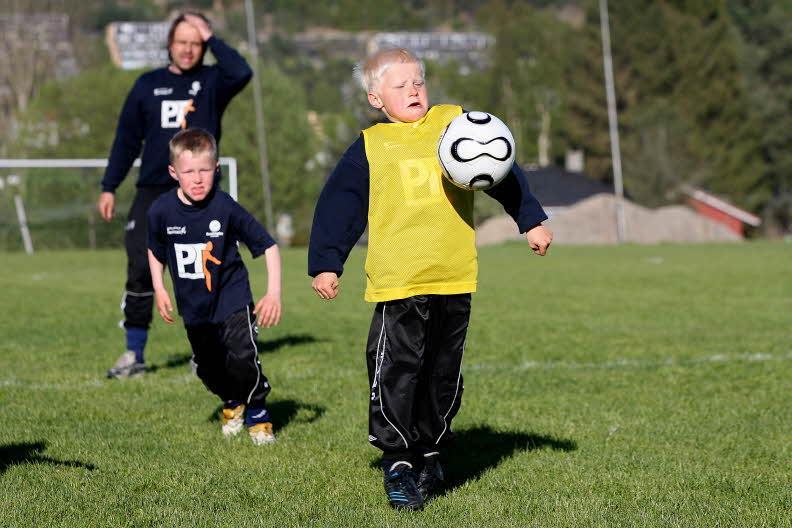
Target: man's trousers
(139, 292)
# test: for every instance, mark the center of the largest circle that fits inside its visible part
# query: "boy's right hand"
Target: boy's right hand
(164, 306)
(326, 285)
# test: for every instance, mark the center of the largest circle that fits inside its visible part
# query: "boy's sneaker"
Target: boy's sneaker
(430, 479)
(232, 418)
(261, 433)
(401, 489)
(259, 425)
(126, 367)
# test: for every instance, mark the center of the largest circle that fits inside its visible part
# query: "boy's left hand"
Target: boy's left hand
(539, 238)
(268, 310)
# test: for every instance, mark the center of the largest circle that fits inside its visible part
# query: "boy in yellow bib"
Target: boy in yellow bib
(420, 267)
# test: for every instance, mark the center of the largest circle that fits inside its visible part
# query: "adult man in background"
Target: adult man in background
(184, 94)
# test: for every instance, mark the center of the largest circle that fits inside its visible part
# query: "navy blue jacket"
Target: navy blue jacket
(179, 236)
(341, 213)
(155, 106)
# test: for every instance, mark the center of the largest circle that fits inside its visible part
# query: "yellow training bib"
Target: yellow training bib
(421, 236)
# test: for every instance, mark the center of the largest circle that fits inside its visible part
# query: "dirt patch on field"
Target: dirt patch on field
(593, 221)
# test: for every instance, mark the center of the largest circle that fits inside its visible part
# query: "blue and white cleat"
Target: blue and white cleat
(401, 489)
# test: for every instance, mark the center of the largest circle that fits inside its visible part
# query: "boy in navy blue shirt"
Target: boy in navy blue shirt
(195, 230)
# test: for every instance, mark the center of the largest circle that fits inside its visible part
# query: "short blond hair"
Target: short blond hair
(369, 72)
(196, 140)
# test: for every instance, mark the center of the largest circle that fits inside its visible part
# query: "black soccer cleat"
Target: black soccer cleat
(401, 489)
(431, 479)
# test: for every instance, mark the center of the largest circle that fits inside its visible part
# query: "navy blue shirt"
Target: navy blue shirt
(200, 245)
(341, 213)
(158, 103)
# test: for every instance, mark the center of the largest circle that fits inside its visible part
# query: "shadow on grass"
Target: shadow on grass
(172, 362)
(263, 347)
(289, 340)
(476, 450)
(283, 412)
(32, 453)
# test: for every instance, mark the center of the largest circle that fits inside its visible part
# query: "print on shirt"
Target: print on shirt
(421, 180)
(192, 261)
(214, 229)
(173, 114)
(206, 255)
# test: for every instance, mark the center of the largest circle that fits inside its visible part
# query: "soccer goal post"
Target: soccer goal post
(51, 203)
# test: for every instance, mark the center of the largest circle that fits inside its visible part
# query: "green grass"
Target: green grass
(604, 386)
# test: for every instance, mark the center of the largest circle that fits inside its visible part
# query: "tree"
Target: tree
(296, 169)
(682, 106)
(767, 62)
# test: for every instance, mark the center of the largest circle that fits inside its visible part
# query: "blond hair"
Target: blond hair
(196, 140)
(369, 72)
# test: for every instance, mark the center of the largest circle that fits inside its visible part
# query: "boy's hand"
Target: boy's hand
(268, 310)
(164, 306)
(326, 285)
(539, 238)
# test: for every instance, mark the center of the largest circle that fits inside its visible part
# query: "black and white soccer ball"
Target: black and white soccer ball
(476, 151)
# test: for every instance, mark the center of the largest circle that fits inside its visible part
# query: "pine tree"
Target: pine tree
(767, 61)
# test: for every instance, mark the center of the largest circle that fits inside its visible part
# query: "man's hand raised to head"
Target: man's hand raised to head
(200, 24)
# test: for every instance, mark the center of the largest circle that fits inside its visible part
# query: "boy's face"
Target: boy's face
(401, 93)
(195, 174)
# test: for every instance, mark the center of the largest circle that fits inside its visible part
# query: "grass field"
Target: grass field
(629, 386)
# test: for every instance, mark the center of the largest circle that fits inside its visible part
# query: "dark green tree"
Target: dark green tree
(683, 108)
(767, 61)
(296, 169)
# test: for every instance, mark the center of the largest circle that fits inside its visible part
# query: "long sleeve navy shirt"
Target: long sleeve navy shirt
(341, 213)
(158, 102)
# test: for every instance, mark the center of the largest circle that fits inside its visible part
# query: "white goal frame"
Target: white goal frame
(76, 163)
(101, 163)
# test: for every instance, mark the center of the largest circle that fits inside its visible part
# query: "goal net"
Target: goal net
(51, 203)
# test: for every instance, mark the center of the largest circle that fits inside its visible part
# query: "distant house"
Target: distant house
(557, 189)
(469, 49)
(721, 211)
(34, 40)
(134, 45)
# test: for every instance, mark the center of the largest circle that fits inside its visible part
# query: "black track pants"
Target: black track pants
(139, 293)
(414, 357)
(227, 359)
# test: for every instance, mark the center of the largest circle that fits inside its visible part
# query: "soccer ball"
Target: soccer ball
(476, 151)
